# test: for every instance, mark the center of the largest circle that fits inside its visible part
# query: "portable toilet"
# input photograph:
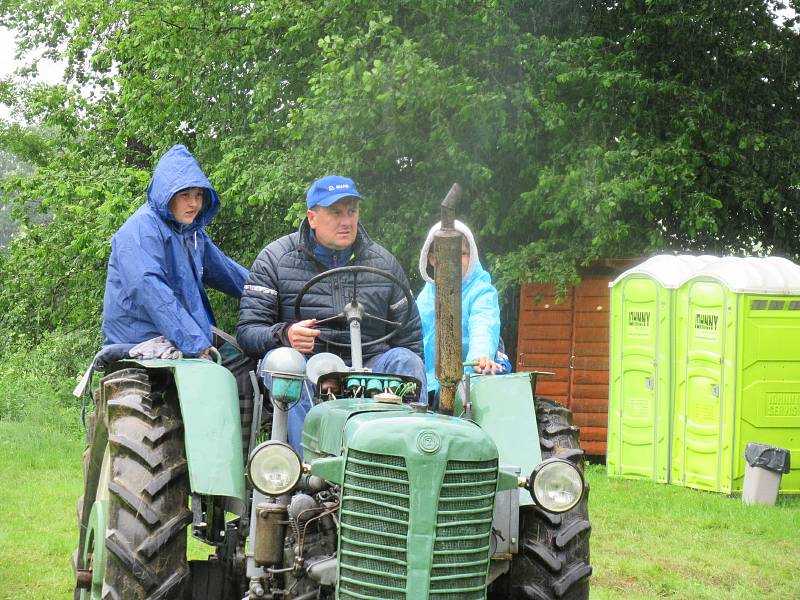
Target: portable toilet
(641, 353)
(737, 371)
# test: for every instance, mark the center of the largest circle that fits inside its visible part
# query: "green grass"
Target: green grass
(40, 481)
(661, 541)
(648, 540)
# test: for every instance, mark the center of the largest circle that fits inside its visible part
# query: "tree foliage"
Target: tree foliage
(579, 129)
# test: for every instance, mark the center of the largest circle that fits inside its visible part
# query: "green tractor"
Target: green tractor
(390, 500)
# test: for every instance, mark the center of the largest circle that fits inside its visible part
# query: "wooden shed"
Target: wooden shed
(570, 338)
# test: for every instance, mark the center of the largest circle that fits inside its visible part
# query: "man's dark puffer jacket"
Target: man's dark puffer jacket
(282, 269)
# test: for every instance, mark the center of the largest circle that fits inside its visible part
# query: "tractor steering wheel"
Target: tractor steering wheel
(354, 310)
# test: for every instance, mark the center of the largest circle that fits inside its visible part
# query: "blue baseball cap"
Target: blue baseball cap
(330, 189)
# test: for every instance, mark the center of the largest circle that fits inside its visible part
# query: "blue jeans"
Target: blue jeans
(397, 361)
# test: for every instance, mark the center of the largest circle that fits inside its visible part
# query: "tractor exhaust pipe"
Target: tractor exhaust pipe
(447, 253)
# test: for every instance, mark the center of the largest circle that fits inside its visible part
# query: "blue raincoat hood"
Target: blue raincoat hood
(176, 171)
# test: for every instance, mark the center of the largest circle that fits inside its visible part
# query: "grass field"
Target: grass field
(648, 540)
(40, 481)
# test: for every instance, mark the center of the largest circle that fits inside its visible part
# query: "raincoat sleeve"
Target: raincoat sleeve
(221, 272)
(425, 305)
(258, 330)
(483, 324)
(425, 300)
(411, 335)
(141, 260)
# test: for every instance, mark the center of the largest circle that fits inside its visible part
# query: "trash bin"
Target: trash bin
(762, 475)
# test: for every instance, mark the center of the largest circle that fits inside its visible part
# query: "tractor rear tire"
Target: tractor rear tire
(553, 558)
(147, 483)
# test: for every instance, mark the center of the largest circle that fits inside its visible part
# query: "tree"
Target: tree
(579, 129)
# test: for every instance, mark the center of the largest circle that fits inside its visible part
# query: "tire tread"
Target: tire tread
(554, 560)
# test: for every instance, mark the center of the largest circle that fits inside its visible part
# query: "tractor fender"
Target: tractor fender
(209, 404)
(502, 405)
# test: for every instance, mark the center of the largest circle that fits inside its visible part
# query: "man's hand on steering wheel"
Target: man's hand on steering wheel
(301, 336)
(393, 326)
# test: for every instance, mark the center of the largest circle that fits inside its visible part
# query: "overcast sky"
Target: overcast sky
(49, 72)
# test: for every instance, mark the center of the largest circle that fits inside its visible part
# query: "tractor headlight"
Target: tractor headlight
(274, 468)
(556, 485)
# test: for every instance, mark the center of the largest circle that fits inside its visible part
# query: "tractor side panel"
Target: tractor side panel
(212, 427)
(503, 407)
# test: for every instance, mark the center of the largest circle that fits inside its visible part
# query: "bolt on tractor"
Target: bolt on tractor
(389, 500)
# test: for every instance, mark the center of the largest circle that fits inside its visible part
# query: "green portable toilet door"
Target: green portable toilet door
(768, 402)
(637, 412)
(706, 436)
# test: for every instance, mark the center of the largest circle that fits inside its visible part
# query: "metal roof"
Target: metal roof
(669, 270)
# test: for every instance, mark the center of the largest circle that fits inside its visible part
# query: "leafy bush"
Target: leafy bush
(36, 382)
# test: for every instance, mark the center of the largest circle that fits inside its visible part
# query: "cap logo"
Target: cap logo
(328, 190)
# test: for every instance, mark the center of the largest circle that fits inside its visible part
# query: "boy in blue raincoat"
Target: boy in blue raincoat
(480, 310)
(162, 259)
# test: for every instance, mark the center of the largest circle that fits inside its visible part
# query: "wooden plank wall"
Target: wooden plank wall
(545, 339)
(570, 338)
(589, 390)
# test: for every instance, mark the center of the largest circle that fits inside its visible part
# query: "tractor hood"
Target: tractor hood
(324, 425)
(333, 428)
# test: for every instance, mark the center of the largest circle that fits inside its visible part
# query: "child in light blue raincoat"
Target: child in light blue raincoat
(480, 311)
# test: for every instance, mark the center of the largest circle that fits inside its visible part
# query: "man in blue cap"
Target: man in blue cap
(329, 237)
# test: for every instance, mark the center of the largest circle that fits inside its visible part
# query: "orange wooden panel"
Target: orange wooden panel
(590, 363)
(588, 390)
(552, 388)
(589, 405)
(593, 448)
(534, 318)
(589, 419)
(549, 303)
(586, 348)
(590, 377)
(547, 361)
(528, 346)
(592, 319)
(593, 434)
(549, 332)
(592, 405)
(591, 334)
(558, 374)
(528, 362)
(591, 303)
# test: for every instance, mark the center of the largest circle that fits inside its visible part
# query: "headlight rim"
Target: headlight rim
(262, 447)
(544, 465)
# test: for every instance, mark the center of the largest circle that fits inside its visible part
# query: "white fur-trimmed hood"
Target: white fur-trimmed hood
(473, 251)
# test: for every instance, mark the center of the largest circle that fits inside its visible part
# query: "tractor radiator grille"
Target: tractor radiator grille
(463, 531)
(374, 528)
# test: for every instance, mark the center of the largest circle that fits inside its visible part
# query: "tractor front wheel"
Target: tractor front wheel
(553, 558)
